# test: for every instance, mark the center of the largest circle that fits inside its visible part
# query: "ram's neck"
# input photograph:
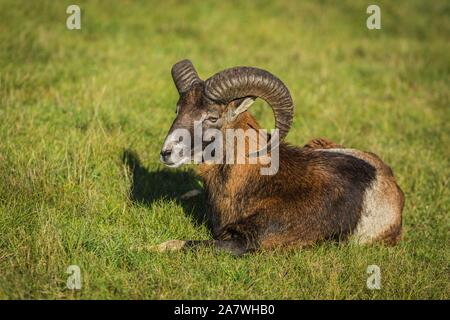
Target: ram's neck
(245, 122)
(224, 181)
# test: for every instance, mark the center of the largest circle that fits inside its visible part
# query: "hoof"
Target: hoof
(190, 194)
(171, 245)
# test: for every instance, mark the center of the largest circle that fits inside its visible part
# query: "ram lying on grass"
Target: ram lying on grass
(321, 191)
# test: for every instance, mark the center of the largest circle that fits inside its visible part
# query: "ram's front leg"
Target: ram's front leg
(236, 238)
(233, 247)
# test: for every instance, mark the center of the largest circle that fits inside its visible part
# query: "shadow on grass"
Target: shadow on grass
(150, 186)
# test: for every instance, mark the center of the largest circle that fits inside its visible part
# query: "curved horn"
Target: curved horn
(184, 75)
(239, 82)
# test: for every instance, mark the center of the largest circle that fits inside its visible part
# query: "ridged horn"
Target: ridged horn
(239, 82)
(184, 75)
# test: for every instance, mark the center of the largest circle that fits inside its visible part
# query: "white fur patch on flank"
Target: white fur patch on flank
(378, 214)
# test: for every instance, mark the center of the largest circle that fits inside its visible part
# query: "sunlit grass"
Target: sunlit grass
(80, 109)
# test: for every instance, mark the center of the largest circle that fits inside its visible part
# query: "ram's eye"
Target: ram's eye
(212, 119)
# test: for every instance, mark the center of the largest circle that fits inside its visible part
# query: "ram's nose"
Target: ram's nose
(165, 155)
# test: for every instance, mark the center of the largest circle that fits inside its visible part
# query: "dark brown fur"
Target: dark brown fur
(322, 198)
(316, 195)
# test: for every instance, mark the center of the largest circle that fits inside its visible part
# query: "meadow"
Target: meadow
(83, 115)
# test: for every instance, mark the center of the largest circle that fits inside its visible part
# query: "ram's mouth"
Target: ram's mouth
(177, 164)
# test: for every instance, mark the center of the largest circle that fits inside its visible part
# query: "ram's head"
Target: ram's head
(217, 103)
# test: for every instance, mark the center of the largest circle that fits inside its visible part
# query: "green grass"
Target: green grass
(84, 113)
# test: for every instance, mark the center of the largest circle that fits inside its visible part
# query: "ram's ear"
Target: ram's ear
(238, 106)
